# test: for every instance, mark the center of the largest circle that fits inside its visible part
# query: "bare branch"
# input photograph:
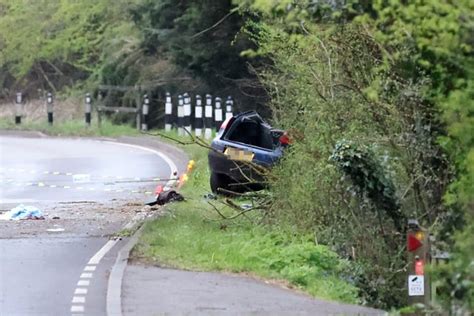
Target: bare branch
(215, 24)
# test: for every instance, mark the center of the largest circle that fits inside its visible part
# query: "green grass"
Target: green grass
(193, 237)
(71, 128)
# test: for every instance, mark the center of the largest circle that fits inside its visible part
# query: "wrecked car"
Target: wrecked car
(243, 149)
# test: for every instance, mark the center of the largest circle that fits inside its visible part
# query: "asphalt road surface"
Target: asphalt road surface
(52, 170)
(59, 266)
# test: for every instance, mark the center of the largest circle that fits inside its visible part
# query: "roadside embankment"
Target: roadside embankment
(193, 237)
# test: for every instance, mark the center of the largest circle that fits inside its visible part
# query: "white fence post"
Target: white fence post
(198, 122)
(145, 111)
(229, 104)
(168, 113)
(208, 117)
(18, 108)
(187, 113)
(88, 109)
(180, 115)
(218, 113)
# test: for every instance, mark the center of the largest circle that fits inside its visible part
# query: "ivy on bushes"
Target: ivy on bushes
(358, 163)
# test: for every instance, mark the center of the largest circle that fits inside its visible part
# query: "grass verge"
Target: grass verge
(71, 128)
(193, 237)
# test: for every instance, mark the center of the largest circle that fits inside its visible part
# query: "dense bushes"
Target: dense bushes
(377, 75)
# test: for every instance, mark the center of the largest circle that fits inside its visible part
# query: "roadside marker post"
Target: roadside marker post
(88, 109)
(168, 113)
(208, 117)
(49, 107)
(18, 108)
(418, 247)
(100, 103)
(180, 115)
(187, 113)
(145, 111)
(198, 121)
(218, 118)
(229, 104)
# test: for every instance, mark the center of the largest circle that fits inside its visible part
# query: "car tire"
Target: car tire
(217, 181)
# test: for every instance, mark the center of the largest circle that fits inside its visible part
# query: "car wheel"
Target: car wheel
(219, 180)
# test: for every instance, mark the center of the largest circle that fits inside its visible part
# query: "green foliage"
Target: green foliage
(457, 276)
(199, 35)
(58, 42)
(367, 175)
(189, 238)
(376, 73)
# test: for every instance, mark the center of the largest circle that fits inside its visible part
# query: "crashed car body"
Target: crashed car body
(244, 146)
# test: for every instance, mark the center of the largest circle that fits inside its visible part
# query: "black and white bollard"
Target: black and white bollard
(88, 108)
(208, 122)
(198, 122)
(145, 111)
(18, 108)
(218, 113)
(49, 107)
(229, 105)
(180, 115)
(187, 113)
(168, 113)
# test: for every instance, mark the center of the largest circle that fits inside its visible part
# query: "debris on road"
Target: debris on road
(81, 178)
(22, 212)
(165, 197)
(210, 196)
(246, 206)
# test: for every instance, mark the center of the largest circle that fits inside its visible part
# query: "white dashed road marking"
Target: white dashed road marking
(77, 308)
(87, 275)
(83, 283)
(78, 299)
(81, 291)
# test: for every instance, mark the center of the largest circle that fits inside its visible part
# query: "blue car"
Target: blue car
(242, 152)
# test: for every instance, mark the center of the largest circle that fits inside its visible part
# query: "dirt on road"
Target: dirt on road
(87, 219)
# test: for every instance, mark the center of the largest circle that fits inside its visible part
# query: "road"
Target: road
(59, 266)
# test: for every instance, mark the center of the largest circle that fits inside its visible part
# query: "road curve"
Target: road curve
(81, 182)
(60, 170)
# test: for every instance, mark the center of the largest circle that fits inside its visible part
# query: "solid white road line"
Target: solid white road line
(101, 253)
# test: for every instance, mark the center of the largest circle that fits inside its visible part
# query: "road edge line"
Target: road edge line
(113, 305)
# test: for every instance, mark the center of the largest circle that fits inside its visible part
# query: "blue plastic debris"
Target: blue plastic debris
(22, 212)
